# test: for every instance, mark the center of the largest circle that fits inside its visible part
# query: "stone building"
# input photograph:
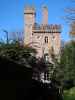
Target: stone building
(44, 38)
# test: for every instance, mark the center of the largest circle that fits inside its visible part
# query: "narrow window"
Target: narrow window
(46, 39)
(46, 56)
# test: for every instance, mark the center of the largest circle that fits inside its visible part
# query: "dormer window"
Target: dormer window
(46, 39)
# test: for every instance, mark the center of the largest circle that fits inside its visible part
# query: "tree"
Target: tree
(72, 30)
(16, 52)
(70, 12)
(66, 69)
(23, 55)
(70, 18)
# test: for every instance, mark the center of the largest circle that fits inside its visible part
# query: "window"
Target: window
(46, 56)
(46, 39)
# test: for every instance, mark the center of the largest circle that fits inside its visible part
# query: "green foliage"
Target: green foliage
(16, 52)
(68, 61)
(66, 68)
(23, 55)
(69, 94)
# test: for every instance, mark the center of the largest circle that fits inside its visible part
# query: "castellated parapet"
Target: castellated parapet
(46, 28)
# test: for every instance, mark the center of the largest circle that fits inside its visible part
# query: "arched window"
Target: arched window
(46, 39)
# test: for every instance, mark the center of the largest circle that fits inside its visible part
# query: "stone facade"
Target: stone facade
(44, 38)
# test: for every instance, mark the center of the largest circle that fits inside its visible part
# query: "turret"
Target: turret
(44, 15)
(29, 20)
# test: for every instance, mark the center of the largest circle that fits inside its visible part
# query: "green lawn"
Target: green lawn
(69, 94)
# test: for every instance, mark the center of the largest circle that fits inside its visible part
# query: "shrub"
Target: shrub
(69, 94)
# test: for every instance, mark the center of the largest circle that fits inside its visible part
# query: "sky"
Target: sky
(12, 14)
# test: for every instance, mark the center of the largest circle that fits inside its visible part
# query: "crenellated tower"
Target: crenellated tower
(48, 38)
(29, 20)
(44, 38)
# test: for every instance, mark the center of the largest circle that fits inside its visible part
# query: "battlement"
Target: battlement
(46, 28)
(29, 10)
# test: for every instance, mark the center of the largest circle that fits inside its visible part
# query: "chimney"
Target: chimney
(44, 15)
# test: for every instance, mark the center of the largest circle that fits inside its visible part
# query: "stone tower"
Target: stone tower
(43, 37)
(29, 20)
(44, 15)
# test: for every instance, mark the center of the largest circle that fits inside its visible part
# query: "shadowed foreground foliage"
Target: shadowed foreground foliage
(16, 83)
(65, 71)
